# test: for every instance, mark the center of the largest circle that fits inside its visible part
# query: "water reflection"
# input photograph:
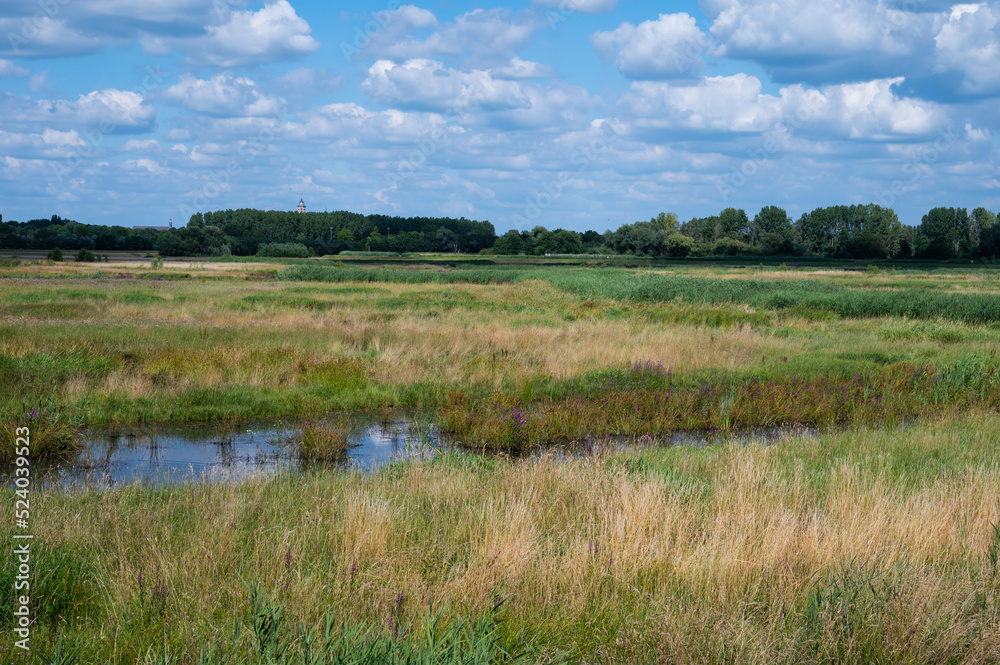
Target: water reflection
(199, 452)
(210, 453)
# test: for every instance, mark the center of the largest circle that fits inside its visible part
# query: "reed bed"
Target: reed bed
(619, 284)
(646, 400)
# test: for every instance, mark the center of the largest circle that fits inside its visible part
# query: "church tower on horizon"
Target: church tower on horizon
(302, 206)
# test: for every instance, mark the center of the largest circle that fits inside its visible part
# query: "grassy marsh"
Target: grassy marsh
(879, 543)
(871, 545)
(126, 350)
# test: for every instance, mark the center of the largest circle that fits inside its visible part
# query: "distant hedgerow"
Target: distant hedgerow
(284, 250)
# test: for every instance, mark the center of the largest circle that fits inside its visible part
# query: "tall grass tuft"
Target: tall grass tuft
(52, 434)
(267, 639)
(326, 439)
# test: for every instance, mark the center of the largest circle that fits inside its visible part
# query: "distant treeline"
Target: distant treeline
(852, 232)
(243, 232)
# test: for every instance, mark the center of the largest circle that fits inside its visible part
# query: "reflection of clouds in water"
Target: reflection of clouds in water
(201, 454)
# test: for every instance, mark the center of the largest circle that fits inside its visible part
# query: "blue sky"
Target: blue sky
(566, 113)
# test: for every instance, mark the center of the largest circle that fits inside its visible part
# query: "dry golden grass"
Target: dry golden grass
(140, 343)
(459, 345)
(676, 556)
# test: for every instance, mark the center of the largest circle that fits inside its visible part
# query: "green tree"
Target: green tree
(705, 229)
(963, 233)
(447, 241)
(678, 245)
(643, 238)
(771, 220)
(980, 221)
(734, 223)
(667, 221)
(509, 243)
(729, 247)
(867, 246)
(939, 229)
(989, 241)
(562, 241)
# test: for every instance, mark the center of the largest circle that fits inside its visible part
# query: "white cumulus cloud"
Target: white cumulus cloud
(870, 111)
(430, 85)
(523, 69)
(223, 95)
(274, 32)
(9, 69)
(669, 47)
(110, 111)
(583, 6)
(481, 36)
(969, 42)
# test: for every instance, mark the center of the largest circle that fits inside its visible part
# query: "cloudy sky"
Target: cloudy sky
(566, 113)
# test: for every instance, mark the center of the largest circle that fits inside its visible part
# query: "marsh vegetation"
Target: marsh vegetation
(876, 541)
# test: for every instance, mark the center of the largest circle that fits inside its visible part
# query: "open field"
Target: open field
(143, 345)
(875, 542)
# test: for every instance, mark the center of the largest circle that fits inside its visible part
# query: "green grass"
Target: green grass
(614, 283)
(783, 295)
(876, 541)
(868, 545)
(647, 400)
(234, 346)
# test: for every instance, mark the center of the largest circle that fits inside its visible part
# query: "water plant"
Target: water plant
(645, 399)
(325, 439)
(52, 434)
